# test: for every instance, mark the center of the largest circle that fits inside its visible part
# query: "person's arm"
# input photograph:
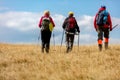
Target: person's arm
(64, 23)
(40, 23)
(110, 22)
(95, 25)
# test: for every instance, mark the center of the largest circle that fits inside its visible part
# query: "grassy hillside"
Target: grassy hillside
(26, 62)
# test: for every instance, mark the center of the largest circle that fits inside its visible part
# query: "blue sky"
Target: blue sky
(19, 18)
(80, 7)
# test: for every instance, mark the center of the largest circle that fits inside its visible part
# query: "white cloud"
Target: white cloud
(58, 19)
(19, 20)
(115, 21)
(27, 21)
(87, 37)
(115, 41)
(85, 22)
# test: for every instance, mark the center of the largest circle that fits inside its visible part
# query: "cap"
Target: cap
(70, 13)
(103, 6)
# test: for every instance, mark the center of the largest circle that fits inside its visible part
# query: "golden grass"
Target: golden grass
(26, 62)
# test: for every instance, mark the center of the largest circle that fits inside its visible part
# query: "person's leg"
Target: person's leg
(100, 37)
(67, 42)
(43, 41)
(106, 37)
(71, 41)
(48, 37)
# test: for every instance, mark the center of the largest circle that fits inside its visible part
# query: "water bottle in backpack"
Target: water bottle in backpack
(102, 18)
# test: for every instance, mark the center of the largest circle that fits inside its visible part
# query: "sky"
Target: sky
(19, 19)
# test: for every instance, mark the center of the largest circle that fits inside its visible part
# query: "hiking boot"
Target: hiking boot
(42, 50)
(67, 50)
(106, 45)
(47, 50)
(100, 47)
(70, 49)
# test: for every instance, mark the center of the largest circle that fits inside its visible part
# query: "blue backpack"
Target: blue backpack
(102, 17)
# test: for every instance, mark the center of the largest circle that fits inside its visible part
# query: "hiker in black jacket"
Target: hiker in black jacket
(71, 27)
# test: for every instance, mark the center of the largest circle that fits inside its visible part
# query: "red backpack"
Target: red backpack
(71, 23)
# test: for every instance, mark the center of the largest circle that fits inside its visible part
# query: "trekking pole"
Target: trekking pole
(78, 41)
(62, 39)
(38, 39)
(54, 40)
(115, 26)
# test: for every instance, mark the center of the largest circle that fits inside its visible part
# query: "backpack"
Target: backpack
(45, 23)
(102, 17)
(71, 23)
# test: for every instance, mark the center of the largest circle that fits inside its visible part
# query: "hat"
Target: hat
(70, 13)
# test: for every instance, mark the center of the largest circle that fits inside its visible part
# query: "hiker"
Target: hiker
(103, 24)
(46, 24)
(71, 27)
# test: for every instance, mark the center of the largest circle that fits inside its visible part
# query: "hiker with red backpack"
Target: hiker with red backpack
(46, 24)
(103, 24)
(71, 27)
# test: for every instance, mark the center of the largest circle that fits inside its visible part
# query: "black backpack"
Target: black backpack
(45, 23)
(101, 18)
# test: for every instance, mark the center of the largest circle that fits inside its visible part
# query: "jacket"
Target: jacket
(40, 23)
(65, 23)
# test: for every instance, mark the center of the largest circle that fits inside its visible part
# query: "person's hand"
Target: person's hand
(78, 31)
(40, 26)
(110, 29)
(96, 29)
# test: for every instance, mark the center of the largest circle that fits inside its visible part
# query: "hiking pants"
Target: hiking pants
(102, 31)
(69, 41)
(45, 38)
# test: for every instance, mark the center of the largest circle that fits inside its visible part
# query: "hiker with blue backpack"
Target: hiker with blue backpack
(103, 24)
(46, 24)
(70, 27)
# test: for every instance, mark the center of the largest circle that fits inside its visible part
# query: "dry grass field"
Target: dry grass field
(26, 62)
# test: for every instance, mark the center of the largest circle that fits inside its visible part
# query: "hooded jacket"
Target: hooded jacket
(40, 23)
